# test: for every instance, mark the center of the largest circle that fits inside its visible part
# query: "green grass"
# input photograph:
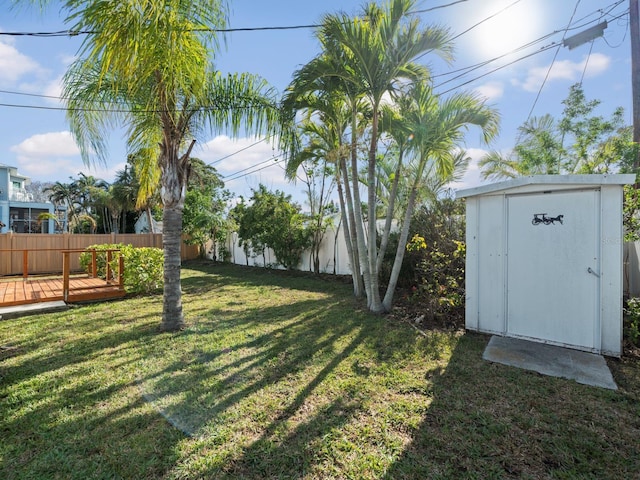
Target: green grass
(285, 376)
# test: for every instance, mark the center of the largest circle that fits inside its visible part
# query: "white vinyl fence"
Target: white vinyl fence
(335, 259)
(333, 254)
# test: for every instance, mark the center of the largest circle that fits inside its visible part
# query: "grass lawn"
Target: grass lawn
(285, 376)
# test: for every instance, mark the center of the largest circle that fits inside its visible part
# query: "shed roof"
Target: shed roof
(558, 180)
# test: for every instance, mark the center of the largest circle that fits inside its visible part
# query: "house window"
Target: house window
(16, 184)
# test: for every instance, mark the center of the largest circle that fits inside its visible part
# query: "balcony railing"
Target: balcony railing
(20, 195)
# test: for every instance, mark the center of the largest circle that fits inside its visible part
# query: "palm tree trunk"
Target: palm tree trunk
(357, 290)
(172, 317)
(350, 234)
(359, 228)
(384, 241)
(173, 195)
(387, 302)
(375, 305)
(150, 220)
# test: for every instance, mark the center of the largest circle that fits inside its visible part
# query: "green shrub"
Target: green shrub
(143, 266)
(432, 274)
(632, 321)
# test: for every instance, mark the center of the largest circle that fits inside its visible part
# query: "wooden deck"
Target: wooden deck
(35, 290)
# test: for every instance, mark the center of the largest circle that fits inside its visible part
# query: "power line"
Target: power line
(467, 70)
(544, 49)
(555, 55)
(486, 19)
(236, 175)
(438, 7)
(74, 33)
(238, 151)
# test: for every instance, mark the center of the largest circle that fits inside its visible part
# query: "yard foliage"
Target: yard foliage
(280, 375)
(432, 276)
(143, 270)
(272, 220)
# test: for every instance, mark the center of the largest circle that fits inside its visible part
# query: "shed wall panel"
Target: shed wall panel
(491, 266)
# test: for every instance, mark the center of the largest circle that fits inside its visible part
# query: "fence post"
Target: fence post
(65, 275)
(121, 270)
(109, 256)
(94, 263)
(25, 264)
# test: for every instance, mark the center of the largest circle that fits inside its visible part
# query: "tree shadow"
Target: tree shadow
(493, 421)
(211, 381)
(60, 418)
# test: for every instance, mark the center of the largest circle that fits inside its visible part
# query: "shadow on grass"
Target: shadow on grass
(69, 406)
(291, 386)
(493, 421)
(207, 382)
(270, 396)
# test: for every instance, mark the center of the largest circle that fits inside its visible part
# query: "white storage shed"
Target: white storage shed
(544, 260)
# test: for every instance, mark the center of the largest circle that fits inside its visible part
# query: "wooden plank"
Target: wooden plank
(81, 289)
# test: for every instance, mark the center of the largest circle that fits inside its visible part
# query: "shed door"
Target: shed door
(553, 267)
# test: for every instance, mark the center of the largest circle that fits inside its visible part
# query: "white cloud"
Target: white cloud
(566, 70)
(243, 156)
(54, 89)
(14, 65)
(44, 145)
(491, 90)
(48, 156)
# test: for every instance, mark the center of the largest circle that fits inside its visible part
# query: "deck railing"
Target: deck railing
(66, 268)
(111, 280)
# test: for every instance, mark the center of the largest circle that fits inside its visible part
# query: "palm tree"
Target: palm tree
(327, 117)
(539, 151)
(371, 57)
(438, 128)
(63, 194)
(147, 66)
(145, 182)
(123, 194)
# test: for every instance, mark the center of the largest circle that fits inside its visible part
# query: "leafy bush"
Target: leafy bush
(143, 267)
(632, 321)
(433, 267)
(272, 220)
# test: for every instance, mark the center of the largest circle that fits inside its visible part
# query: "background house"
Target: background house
(18, 210)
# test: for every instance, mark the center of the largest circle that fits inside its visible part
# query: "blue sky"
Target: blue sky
(38, 142)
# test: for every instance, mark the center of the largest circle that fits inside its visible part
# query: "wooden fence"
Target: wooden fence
(46, 257)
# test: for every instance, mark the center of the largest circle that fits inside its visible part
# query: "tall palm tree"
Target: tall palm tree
(327, 119)
(147, 66)
(438, 128)
(373, 55)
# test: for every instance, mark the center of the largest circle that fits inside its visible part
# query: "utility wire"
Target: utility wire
(431, 9)
(463, 71)
(467, 70)
(544, 49)
(241, 173)
(555, 55)
(74, 33)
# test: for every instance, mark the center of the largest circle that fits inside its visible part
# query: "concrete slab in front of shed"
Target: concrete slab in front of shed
(583, 367)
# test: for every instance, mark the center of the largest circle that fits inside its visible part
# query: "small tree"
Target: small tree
(271, 220)
(580, 142)
(205, 206)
